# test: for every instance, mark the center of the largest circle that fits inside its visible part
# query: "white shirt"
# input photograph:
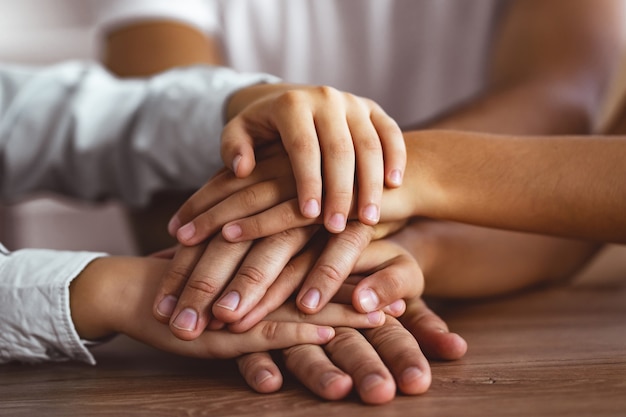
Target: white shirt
(73, 128)
(416, 58)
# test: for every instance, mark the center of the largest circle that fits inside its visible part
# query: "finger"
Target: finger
(332, 314)
(394, 147)
(225, 184)
(285, 285)
(174, 280)
(338, 163)
(210, 275)
(279, 218)
(432, 332)
(260, 372)
(350, 351)
(243, 203)
(299, 136)
(401, 353)
(395, 309)
(237, 148)
(264, 337)
(261, 267)
(333, 266)
(314, 369)
(370, 173)
(391, 274)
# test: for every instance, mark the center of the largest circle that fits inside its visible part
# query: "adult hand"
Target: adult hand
(265, 273)
(375, 362)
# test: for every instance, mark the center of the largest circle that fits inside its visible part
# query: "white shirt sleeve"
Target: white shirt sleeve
(36, 323)
(75, 129)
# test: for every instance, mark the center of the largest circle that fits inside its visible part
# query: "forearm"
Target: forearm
(94, 136)
(549, 89)
(465, 261)
(568, 186)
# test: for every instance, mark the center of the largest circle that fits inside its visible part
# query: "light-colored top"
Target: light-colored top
(416, 58)
(74, 128)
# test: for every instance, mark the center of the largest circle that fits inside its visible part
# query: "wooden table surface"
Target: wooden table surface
(552, 352)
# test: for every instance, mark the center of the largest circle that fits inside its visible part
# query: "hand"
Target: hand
(197, 292)
(321, 127)
(114, 295)
(262, 204)
(375, 362)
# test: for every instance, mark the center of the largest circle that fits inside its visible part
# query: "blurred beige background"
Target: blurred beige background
(47, 31)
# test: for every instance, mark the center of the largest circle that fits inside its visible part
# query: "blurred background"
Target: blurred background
(41, 32)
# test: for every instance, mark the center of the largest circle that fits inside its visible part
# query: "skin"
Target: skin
(549, 89)
(114, 294)
(537, 180)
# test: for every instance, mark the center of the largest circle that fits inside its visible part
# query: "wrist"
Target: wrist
(242, 98)
(89, 298)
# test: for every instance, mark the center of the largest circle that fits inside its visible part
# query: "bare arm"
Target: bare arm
(546, 79)
(571, 186)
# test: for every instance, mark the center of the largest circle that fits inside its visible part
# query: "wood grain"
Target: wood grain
(554, 352)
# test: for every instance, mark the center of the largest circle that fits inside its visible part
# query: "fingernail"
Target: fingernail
(236, 161)
(397, 307)
(311, 209)
(186, 232)
(230, 301)
(186, 320)
(337, 221)
(325, 333)
(311, 299)
(368, 300)
(411, 375)
(262, 376)
(167, 305)
(396, 177)
(329, 377)
(375, 317)
(371, 381)
(371, 213)
(232, 231)
(173, 225)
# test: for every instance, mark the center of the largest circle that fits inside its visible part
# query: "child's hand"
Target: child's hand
(262, 204)
(333, 140)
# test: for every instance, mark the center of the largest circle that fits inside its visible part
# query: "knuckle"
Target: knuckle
(270, 330)
(249, 198)
(287, 238)
(291, 98)
(345, 340)
(331, 273)
(176, 276)
(370, 144)
(327, 92)
(304, 145)
(355, 237)
(300, 356)
(203, 286)
(389, 334)
(342, 148)
(250, 275)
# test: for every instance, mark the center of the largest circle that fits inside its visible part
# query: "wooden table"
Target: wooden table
(553, 352)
